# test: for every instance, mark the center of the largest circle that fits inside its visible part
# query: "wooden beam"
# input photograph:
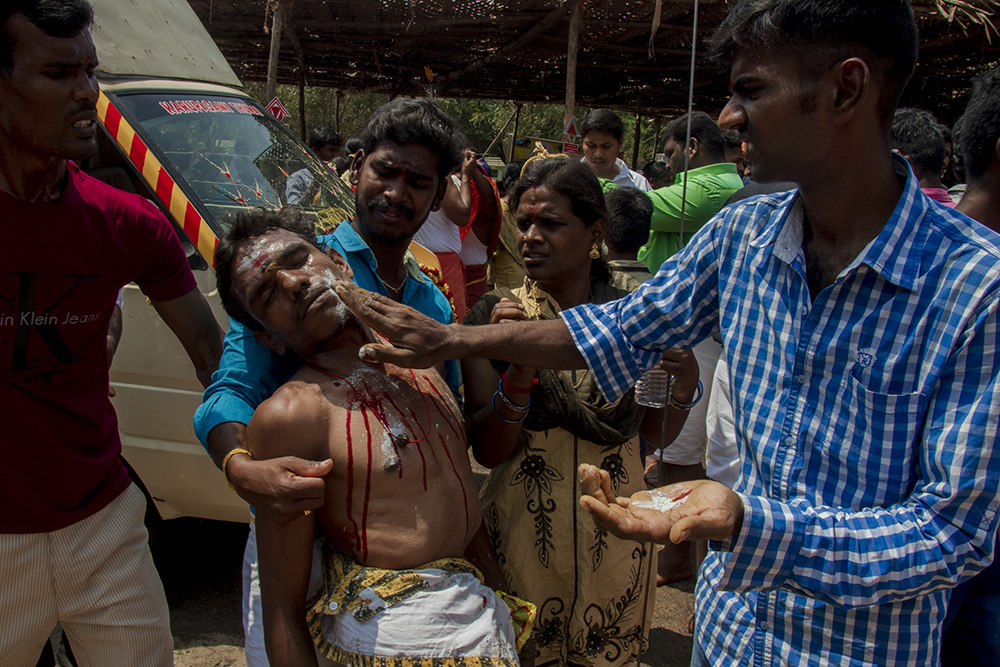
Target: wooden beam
(302, 103)
(658, 127)
(277, 19)
(337, 126)
(638, 130)
(575, 21)
(513, 133)
(435, 26)
(300, 60)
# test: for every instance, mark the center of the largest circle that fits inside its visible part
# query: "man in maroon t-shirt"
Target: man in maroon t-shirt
(73, 548)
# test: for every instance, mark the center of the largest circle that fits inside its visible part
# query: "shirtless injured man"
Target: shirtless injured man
(400, 503)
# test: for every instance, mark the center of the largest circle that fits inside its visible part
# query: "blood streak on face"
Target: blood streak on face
(257, 253)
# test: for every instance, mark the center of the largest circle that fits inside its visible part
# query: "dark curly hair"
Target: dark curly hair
(321, 136)
(704, 129)
(980, 126)
(603, 120)
(917, 134)
(629, 214)
(405, 121)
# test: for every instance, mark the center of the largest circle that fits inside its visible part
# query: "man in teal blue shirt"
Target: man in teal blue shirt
(710, 182)
(409, 148)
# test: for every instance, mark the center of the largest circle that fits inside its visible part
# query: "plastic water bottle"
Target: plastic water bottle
(653, 388)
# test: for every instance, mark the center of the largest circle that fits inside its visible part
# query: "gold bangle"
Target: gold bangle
(225, 462)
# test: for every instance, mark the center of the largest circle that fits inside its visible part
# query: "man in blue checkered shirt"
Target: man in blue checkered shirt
(859, 320)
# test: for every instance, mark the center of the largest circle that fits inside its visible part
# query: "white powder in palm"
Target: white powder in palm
(659, 501)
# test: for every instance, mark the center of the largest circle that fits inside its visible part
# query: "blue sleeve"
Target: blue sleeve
(248, 374)
(433, 303)
(676, 308)
(296, 186)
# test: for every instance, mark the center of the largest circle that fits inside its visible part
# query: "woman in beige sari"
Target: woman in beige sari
(534, 427)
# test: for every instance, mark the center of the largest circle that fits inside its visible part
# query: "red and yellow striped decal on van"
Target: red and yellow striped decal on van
(158, 179)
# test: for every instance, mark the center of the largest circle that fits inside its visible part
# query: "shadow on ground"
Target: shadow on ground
(200, 565)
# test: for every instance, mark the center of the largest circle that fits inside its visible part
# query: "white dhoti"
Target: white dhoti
(439, 615)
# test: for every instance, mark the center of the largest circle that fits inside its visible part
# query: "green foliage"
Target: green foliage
(484, 122)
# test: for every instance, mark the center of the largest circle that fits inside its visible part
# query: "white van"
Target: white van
(177, 129)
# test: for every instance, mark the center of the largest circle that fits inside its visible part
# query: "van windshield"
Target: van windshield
(227, 153)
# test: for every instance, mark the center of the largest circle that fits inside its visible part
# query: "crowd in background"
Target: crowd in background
(816, 270)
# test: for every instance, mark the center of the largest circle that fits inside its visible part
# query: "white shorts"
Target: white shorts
(97, 578)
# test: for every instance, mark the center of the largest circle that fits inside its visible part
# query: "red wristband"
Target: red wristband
(518, 390)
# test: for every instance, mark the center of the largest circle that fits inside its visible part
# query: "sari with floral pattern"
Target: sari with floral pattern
(593, 591)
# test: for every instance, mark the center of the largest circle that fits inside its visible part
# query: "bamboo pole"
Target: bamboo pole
(288, 25)
(302, 102)
(277, 24)
(513, 133)
(339, 95)
(575, 21)
(638, 130)
(500, 133)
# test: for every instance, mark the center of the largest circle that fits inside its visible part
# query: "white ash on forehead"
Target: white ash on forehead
(252, 251)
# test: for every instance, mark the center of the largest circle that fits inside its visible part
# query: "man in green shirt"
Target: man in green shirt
(710, 182)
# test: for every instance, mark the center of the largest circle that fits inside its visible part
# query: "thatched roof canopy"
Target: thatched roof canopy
(516, 49)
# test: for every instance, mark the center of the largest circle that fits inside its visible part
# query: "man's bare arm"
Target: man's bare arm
(288, 424)
(192, 321)
(280, 488)
(455, 203)
(285, 555)
(488, 215)
(421, 342)
(113, 339)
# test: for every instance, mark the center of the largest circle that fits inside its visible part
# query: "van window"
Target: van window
(227, 153)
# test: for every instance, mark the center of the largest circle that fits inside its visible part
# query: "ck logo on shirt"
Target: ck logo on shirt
(38, 317)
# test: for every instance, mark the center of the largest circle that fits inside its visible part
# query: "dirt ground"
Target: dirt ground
(200, 564)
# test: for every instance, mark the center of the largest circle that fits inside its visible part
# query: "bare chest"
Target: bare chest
(397, 428)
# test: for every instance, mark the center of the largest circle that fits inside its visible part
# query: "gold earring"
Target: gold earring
(595, 252)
